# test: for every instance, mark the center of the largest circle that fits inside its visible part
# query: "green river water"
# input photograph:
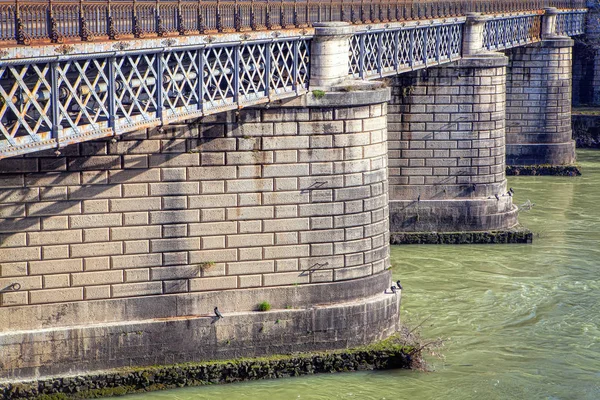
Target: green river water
(520, 321)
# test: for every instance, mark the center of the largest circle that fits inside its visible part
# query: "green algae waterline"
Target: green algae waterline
(522, 321)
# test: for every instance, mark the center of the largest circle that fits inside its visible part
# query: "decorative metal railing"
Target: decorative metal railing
(49, 103)
(28, 21)
(570, 23)
(378, 53)
(506, 31)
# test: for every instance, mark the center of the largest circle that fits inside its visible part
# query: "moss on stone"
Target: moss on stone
(543, 169)
(516, 235)
(393, 352)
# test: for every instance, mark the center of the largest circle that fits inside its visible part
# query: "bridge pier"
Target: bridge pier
(538, 104)
(285, 205)
(446, 148)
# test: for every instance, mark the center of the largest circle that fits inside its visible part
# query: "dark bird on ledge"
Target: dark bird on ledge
(418, 198)
(393, 289)
(497, 197)
(509, 193)
(398, 284)
(218, 313)
(511, 190)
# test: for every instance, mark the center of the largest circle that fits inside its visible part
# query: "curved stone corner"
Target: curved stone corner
(286, 204)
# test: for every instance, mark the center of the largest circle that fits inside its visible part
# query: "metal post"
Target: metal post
(20, 34)
(160, 29)
(218, 16)
(396, 51)
(112, 89)
(252, 16)
(425, 46)
(137, 30)
(181, 28)
(361, 56)
(268, 69)
(295, 67)
(111, 31)
(52, 25)
(200, 88)
(201, 26)
(236, 75)
(84, 32)
(437, 42)
(159, 86)
(54, 99)
(379, 54)
(411, 54)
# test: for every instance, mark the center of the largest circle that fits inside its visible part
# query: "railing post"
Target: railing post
(110, 22)
(268, 22)
(329, 53)
(473, 34)
(237, 17)
(268, 69)
(252, 16)
(52, 25)
(112, 88)
(160, 29)
(137, 29)
(219, 21)
(236, 74)
(296, 49)
(84, 32)
(549, 22)
(54, 99)
(20, 34)
(181, 28)
(201, 26)
(295, 13)
(159, 86)
(200, 88)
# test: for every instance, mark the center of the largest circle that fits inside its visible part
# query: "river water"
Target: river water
(519, 321)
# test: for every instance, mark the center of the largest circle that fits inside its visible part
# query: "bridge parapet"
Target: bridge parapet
(58, 21)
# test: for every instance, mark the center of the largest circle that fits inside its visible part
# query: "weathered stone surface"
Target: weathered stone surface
(538, 104)
(222, 217)
(446, 149)
(388, 354)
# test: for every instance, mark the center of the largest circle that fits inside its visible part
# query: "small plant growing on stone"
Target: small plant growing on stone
(288, 307)
(319, 94)
(264, 306)
(407, 91)
(205, 266)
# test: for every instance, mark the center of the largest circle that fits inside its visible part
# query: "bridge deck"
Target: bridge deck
(52, 96)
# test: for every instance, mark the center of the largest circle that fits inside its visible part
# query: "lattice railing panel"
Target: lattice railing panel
(510, 31)
(52, 104)
(379, 53)
(25, 108)
(83, 95)
(180, 83)
(570, 23)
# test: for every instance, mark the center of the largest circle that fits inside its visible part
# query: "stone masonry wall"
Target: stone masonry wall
(446, 140)
(262, 198)
(538, 104)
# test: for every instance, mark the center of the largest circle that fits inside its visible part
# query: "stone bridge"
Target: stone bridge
(161, 158)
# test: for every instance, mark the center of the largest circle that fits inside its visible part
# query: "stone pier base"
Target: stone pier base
(446, 149)
(538, 104)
